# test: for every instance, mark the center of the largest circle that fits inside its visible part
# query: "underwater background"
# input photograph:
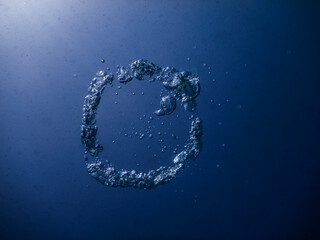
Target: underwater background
(257, 175)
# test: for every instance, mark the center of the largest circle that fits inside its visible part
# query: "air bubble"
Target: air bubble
(123, 75)
(167, 106)
(141, 136)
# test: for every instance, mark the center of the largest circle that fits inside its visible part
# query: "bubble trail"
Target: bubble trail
(181, 86)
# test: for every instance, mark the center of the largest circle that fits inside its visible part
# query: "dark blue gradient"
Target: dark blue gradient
(257, 176)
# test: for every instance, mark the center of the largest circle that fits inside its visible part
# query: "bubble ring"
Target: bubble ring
(182, 86)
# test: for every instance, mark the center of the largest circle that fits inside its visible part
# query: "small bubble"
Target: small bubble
(218, 165)
(119, 87)
(141, 136)
(75, 75)
(223, 144)
(113, 141)
(116, 102)
(151, 118)
(188, 59)
(102, 60)
(164, 148)
(159, 133)
(101, 73)
(204, 65)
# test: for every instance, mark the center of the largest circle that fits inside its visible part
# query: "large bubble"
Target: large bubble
(167, 106)
(181, 86)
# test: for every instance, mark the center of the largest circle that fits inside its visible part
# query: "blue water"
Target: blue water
(257, 176)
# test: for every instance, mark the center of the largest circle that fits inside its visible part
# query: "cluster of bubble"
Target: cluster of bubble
(181, 86)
